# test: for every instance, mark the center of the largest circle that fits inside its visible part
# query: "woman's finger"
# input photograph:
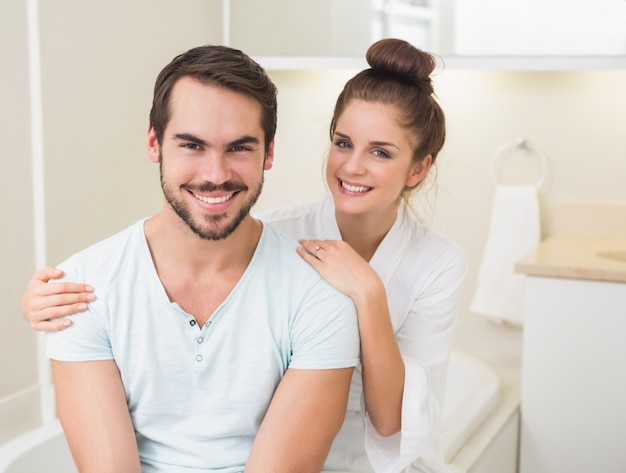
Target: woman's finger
(51, 325)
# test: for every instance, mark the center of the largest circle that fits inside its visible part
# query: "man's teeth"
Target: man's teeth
(213, 200)
(354, 188)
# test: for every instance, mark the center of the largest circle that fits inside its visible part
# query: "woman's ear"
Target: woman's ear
(153, 147)
(419, 171)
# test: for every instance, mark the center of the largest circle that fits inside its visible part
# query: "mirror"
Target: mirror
(447, 27)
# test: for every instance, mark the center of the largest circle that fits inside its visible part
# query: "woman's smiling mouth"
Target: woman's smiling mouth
(351, 188)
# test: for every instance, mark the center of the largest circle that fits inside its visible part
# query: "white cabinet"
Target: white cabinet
(327, 28)
(484, 34)
(538, 28)
(300, 28)
(573, 376)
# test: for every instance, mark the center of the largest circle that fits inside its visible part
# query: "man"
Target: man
(212, 346)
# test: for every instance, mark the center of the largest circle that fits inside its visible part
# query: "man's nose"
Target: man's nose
(215, 168)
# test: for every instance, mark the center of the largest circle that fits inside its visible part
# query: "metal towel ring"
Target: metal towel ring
(520, 143)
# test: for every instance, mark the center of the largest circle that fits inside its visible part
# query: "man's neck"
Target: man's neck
(199, 274)
(171, 241)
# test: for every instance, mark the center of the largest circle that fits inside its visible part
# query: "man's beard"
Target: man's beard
(213, 231)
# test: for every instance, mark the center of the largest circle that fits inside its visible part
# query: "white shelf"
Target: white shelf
(501, 63)
(311, 63)
(535, 63)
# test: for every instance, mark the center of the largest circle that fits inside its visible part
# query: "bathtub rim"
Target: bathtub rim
(14, 449)
(472, 411)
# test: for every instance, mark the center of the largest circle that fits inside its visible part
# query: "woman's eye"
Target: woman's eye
(342, 144)
(381, 154)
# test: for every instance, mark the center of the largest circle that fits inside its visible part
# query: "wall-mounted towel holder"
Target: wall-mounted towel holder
(519, 143)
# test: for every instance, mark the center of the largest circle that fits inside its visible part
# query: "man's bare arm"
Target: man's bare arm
(92, 408)
(304, 417)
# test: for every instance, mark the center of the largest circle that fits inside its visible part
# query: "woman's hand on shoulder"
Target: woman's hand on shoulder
(342, 267)
(43, 303)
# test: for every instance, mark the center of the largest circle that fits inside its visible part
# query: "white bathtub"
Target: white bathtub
(42, 450)
(471, 394)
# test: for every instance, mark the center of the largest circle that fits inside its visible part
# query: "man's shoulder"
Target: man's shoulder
(290, 212)
(109, 250)
(298, 220)
(278, 251)
(279, 258)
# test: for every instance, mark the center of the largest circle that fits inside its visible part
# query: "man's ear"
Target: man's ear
(419, 171)
(269, 157)
(153, 147)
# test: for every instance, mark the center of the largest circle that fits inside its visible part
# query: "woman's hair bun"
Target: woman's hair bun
(400, 59)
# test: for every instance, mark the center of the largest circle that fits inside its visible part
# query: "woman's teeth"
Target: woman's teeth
(354, 188)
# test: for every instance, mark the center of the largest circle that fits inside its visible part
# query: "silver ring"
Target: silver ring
(317, 248)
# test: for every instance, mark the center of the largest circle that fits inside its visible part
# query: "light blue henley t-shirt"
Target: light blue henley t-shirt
(197, 395)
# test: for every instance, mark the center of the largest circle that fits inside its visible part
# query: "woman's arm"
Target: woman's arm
(42, 302)
(424, 340)
(382, 364)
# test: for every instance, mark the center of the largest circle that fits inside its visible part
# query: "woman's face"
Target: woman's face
(370, 160)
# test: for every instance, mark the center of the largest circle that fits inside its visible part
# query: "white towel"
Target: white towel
(515, 230)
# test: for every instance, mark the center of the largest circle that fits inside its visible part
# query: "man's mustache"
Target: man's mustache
(228, 186)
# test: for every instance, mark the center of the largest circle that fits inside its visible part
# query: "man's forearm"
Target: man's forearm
(304, 417)
(92, 408)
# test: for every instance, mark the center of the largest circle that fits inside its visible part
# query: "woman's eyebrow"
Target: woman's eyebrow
(371, 143)
(383, 143)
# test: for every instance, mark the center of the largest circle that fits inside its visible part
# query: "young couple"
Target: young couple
(217, 342)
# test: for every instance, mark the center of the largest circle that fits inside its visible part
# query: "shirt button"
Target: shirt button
(192, 322)
(198, 357)
(199, 339)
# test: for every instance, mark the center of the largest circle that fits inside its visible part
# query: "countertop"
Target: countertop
(586, 257)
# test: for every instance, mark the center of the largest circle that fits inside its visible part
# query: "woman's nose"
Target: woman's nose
(354, 163)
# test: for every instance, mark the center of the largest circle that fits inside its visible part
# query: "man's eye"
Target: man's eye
(192, 146)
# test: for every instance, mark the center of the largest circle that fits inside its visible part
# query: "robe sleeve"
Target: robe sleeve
(425, 340)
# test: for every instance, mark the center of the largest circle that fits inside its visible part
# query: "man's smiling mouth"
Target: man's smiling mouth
(213, 200)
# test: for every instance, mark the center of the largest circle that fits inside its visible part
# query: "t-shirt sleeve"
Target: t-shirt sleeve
(87, 339)
(325, 333)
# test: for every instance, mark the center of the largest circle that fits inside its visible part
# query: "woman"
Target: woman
(386, 132)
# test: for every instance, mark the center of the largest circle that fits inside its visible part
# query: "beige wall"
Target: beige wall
(98, 64)
(18, 354)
